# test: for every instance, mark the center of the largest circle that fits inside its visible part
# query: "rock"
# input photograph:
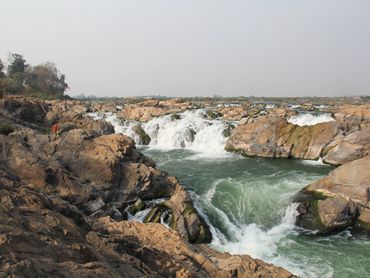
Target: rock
(26, 109)
(107, 167)
(272, 136)
(227, 131)
(232, 113)
(363, 221)
(173, 255)
(350, 180)
(144, 138)
(336, 201)
(145, 110)
(328, 215)
(137, 206)
(94, 206)
(142, 114)
(43, 235)
(190, 135)
(211, 114)
(360, 112)
(155, 214)
(91, 127)
(351, 147)
(175, 117)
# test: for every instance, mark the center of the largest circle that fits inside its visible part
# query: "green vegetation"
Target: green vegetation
(43, 80)
(6, 129)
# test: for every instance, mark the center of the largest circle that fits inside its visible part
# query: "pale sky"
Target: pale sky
(196, 47)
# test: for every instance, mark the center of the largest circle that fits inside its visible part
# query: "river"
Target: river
(248, 201)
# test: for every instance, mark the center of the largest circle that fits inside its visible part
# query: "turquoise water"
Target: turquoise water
(247, 201)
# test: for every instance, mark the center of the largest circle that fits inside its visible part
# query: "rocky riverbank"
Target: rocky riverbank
(66, 201)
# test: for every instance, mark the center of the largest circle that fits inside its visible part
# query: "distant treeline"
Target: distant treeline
(19, 78)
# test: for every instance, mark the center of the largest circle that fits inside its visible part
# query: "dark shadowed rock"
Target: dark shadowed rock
(144, 138)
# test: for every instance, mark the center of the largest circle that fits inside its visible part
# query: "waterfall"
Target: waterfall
(191, 130)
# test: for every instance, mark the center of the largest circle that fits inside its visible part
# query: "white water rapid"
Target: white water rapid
(304, 119)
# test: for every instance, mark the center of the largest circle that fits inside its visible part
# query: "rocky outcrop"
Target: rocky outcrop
(43, 235)
(338, 200)
(103, 175)
(273, 136)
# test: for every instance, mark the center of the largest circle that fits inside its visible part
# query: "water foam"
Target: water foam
(259, 243)
(305, 119)
(189, 130)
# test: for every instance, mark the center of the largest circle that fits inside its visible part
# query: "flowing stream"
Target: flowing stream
(247, 201)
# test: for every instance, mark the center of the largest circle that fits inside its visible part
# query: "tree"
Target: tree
(46, 78)
(17, 64)
(14, 81)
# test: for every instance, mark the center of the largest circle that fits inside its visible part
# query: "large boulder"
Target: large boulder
(273, 136)
(348, 148)
(327, 215)
(337, 200)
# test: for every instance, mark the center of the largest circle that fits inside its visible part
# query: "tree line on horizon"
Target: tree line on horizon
(20, 78)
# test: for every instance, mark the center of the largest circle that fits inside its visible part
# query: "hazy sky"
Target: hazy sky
(196, 47)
